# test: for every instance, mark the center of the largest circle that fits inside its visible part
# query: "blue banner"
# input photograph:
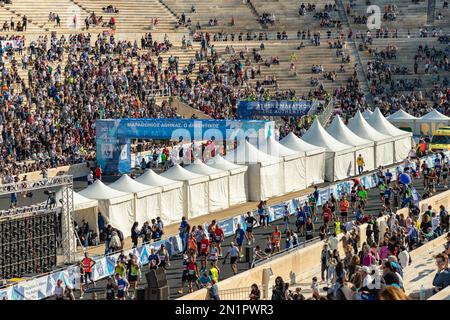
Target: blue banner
(248, 109)
(113, 135)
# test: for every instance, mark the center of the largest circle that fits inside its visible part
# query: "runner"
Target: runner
(269, 247)
(214, 271)
(110, 293)
(250, 223)
(153, 259)
(239, 237)
(300, 222)
(276, 239)
(204, 249)
(309, 229)
(327, 215)
(87, 264)
(214, 254)
(192, 245)
(353, 196)
(343, 208)
(445, 175)
(204, 279)
(164, 256)
(184, 275)
(212, 231)
(122, 286)
(233, 252)
(192, 274)
(218, 238)
(133, 273)
(312, 204)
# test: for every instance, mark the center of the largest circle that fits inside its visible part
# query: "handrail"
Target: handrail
(300, 245)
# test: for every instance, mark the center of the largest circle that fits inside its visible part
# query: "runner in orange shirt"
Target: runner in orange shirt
(276, 239)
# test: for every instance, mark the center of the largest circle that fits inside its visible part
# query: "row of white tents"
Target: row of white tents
(426, 124)
(247, 173)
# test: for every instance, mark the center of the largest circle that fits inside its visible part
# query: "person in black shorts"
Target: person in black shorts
(250, 222)
(110, 293)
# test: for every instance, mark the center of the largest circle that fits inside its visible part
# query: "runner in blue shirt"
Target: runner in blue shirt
(239, 237)
(307, 209)
(301, 220)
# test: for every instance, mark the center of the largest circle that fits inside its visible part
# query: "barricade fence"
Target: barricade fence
(42, 286)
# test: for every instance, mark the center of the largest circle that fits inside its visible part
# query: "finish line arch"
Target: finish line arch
(113, 136)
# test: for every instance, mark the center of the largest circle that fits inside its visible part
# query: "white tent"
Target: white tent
(402, 139)
(218, 193)
(171, 197)
(315, 158)
(114, 204)
(196, 188)
(403, 120)
(339, 157)
(365, 148)
(146, 198)
(264, 174)
(294, 174)
(432, 121)
(83, 208)
(384, 145)
(367, 114)
(237, 186)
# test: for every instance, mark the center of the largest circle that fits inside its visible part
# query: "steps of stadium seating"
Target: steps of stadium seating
(409, 15)
(134, 15)
(287, 17)
(306, 58)
(223, 11)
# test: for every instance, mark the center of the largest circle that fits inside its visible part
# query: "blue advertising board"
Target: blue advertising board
(248, 109)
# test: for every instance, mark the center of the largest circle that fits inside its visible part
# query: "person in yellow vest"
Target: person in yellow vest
(360, 163)
(337, 226)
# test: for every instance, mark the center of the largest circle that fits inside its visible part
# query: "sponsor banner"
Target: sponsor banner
(248, 109)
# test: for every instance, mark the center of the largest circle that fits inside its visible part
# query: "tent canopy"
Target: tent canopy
(317, 135)
(247, 153)
(381, 124)
(401, 115)
(339, 130)
(220, 163)
(363, 129)
(276, 149)
(295, 143)
(127, 184)
(79, 202)
(200, 168)
(99, 191)
(180, 174)
(151, 178)
(367, 113)
(434, 116)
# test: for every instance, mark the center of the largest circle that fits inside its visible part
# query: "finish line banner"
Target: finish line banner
(248, 109)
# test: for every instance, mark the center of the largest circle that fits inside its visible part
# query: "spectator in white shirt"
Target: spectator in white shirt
(403, 257)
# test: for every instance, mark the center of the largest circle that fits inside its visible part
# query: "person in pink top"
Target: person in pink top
(384, 251)
(367, 257)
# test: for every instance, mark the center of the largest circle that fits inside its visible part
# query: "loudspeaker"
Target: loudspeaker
(140, 293)
(156, 278)
(161, 293)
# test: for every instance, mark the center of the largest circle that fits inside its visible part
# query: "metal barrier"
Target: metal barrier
(240, 293)
(326, 113)
(284, 252)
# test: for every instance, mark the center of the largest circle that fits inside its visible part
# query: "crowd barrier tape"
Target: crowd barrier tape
(43, 287)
